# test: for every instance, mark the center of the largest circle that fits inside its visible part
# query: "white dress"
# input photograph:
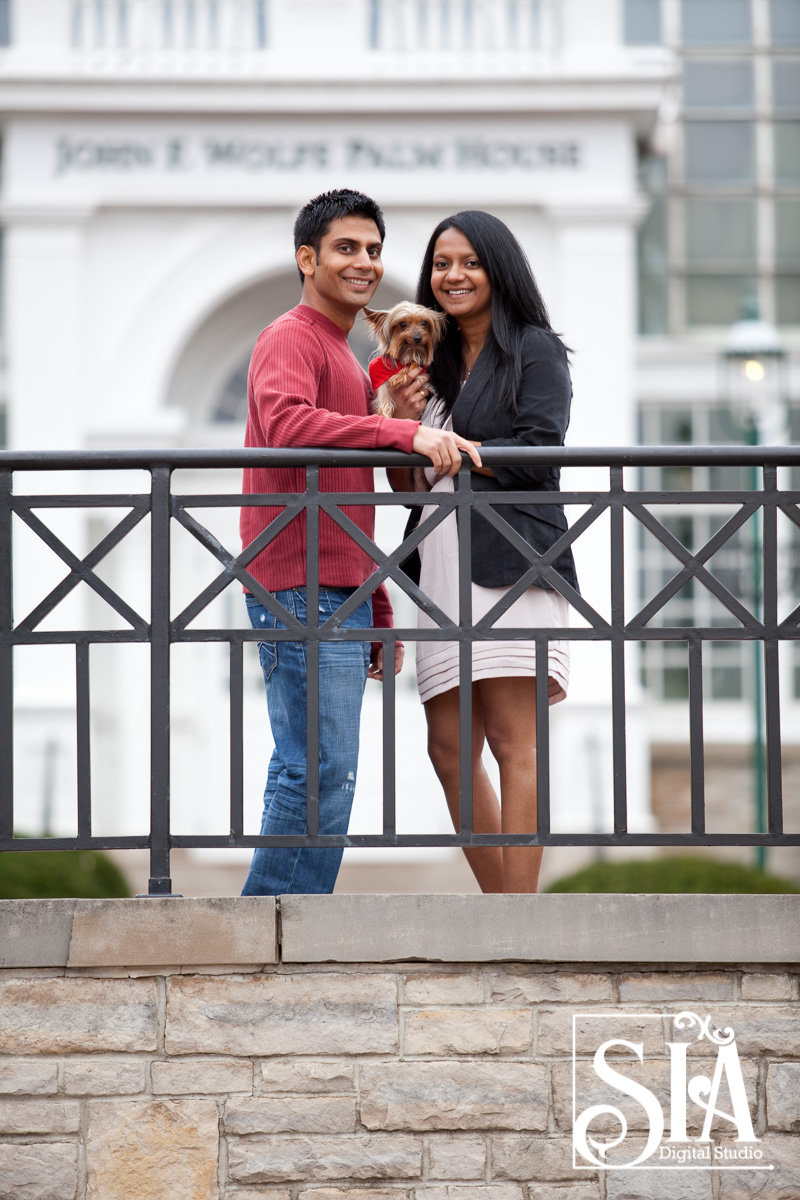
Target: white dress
(536, 608)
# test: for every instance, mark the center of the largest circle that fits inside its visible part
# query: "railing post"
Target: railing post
(312, 651)
(6, 663)
(463, 486)
(160, 882)
(618, 651)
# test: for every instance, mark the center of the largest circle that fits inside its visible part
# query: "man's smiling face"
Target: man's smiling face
(343, 277)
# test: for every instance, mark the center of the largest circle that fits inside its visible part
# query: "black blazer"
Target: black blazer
(540, 418)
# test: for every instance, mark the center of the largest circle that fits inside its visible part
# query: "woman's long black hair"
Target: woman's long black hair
(516, 302)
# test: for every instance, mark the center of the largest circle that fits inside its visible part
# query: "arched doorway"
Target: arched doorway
(209, 381)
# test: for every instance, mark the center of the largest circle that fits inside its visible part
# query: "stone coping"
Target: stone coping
(255, 931)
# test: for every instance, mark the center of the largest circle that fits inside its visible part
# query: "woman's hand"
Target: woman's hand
(482, 470)
(409, 401)
(376, 660)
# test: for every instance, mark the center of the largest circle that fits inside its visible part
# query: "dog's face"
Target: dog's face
(408, 333)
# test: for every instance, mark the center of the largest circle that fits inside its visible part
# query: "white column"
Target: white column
(44, 305)
(45, 266)
(595, 307)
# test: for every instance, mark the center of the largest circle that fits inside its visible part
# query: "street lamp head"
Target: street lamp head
(752, 360)
(750, 339)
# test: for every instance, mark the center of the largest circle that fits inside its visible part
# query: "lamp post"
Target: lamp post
(753, 361)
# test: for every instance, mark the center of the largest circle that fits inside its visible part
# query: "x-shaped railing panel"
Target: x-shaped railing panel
(81, 569)
(693, 565)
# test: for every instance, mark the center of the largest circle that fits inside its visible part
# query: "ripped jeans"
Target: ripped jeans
(279, 870)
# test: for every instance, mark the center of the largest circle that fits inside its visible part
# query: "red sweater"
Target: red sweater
(305, 388)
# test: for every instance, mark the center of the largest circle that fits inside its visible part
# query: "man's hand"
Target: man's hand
(409, 401)
(376, 660)
(443, 449)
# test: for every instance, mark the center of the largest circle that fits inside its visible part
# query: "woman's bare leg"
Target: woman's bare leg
(442, 714)
(508, 708)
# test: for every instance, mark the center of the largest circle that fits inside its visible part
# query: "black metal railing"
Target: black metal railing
(758, 623)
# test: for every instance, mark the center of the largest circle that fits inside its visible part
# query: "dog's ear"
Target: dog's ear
(439, 323)
(376, 320)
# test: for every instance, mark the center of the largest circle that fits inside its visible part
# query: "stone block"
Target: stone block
(602, 928)
(206, 1077)
(282, 1014)
(766, 986)
(35, 933)
(104, 1078)
(278, 1159)
(484, 1191)
(783, 1096)
(589, 1189)
(444, 989)
(142, 1150)
(759, 1029)
(304, 1075)
(48, 1171)
(679, 987)
(157, 932)
(445, 1031)
(26, 1077)
(39, 1116)
(674, 1184)
(530, 986)
(291, 1114)
(457, 1157)
(269, 1193)
(555, 1032)
(541, 1159)
(589, 1089)
(454, 1095)
(370, 1193)
(782, 1152)
(63, 1016)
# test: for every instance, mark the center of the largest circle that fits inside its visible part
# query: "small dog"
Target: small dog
(407, 336)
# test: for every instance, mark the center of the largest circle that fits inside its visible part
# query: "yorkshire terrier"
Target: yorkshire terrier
(407, 336)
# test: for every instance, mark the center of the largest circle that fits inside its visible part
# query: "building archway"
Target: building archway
(209, 379)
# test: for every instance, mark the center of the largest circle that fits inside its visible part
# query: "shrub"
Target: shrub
(48, 874)
(679, 874)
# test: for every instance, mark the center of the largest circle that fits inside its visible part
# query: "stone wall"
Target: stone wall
(396, 1080)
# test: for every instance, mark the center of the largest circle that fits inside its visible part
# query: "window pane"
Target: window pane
(787, 151)
(642, 22)
(784, 18)
(787, 299)
(720, 230)
(786, 84)
(721, 22)
(787, 231)
(5, 22)
(676, 427)
(717, 85)
(652, 251)
(720, 152)
(716, 299)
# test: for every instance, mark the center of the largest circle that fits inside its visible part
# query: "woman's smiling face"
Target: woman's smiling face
(459, 282)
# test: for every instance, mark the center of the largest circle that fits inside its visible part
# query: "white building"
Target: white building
(155, 153)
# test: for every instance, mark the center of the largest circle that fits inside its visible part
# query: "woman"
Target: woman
(500, 378)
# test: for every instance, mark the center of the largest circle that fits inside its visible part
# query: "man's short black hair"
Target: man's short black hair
(315, 218)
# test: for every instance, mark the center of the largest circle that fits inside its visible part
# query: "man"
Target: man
(305, 388)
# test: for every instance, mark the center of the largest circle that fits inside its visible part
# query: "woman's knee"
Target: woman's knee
(444, 754)
(510, 747)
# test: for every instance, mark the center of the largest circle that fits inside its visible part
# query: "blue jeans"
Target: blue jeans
(279, 870)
